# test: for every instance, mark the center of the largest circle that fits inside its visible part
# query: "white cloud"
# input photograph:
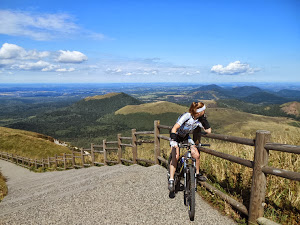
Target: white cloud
(40, 65)
(128, 74)
(65, 70)
(12, 51)
(9, 51)
(14, 57)
(71, 57)
(35, 25)
(113, 71)
(233, 68)
(42, 27)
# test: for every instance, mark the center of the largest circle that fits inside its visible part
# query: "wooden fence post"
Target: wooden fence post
(258, 187)
(65, 161)
(156, 141)
(134, 146)
(92, 154)
(104, 152)
(35, 164)
(73, 159)
(119, 148)
(49, 165)
(82, 157)
(55, 161)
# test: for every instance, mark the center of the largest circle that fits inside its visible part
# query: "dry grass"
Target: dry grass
(3, 187)
(97, 97)
(29, 144)
(152, 108)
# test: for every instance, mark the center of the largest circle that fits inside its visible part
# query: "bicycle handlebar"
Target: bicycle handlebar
(182, 145)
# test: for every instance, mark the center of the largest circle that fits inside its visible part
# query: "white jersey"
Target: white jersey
(187, 124)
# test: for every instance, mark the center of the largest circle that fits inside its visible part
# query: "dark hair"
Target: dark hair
(194, 106)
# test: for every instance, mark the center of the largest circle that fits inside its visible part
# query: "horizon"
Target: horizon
(149, 42)
(262, 85)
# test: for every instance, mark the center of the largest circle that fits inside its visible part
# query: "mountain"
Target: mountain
(29, 144)
(78, 123)
(217, 92)
(250, 94)
(292, 94)
(264, 98)
(244, 91)
(209, 92)
(102, 104)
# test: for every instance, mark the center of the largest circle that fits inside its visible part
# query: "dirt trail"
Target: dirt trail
(97, 195)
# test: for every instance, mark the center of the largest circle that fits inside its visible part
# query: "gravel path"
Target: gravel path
(97, 195)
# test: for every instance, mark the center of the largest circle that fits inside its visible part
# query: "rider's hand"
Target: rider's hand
(173, 144)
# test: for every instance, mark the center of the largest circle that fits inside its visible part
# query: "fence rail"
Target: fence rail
(261, 144)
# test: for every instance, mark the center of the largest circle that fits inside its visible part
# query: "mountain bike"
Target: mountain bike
(186, 169)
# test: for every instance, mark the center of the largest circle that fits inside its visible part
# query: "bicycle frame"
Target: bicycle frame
(186, 168)
(188, 160)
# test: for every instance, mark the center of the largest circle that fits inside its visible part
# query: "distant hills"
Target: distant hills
(78, 122)
(95, 118)
(249, 94)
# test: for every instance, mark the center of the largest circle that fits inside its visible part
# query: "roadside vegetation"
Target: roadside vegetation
(3, 187)
(29, 144)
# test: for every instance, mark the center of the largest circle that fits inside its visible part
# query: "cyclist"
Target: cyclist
(186, 123)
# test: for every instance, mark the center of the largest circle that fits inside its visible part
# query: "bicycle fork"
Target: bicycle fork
(189, 157)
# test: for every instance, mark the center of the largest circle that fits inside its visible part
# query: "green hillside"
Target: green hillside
(290, 109)
(78, 123)
(153, 108)
(222, 120)
(233, 122)
(29, 144)
(93, 119)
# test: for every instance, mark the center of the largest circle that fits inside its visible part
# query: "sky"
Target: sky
(139, 41)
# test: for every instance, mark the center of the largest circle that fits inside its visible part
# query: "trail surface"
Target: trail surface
(97, 195)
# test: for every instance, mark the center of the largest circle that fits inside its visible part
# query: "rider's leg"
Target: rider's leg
(173, 163)
(196, 155)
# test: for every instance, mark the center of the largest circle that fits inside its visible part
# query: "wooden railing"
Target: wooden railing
(259, 164)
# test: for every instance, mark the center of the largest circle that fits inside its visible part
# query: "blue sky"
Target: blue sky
(149, 41)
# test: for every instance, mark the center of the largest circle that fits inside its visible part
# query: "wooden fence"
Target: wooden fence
(261, 144)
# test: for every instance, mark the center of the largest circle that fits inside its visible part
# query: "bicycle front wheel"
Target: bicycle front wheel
(191, 192)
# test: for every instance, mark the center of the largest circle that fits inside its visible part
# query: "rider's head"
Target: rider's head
(197, 109)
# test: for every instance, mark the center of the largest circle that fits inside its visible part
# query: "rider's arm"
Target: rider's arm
(175, 128)
(205, 124)
(207, 130)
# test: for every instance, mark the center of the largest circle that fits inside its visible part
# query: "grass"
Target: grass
(152, 108)
(97, 97)
(3, 187)
(29, 144)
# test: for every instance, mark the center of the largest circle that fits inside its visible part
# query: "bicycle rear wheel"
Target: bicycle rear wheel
(191, 192)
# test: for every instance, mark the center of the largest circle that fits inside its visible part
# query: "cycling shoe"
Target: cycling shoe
(171, 185)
